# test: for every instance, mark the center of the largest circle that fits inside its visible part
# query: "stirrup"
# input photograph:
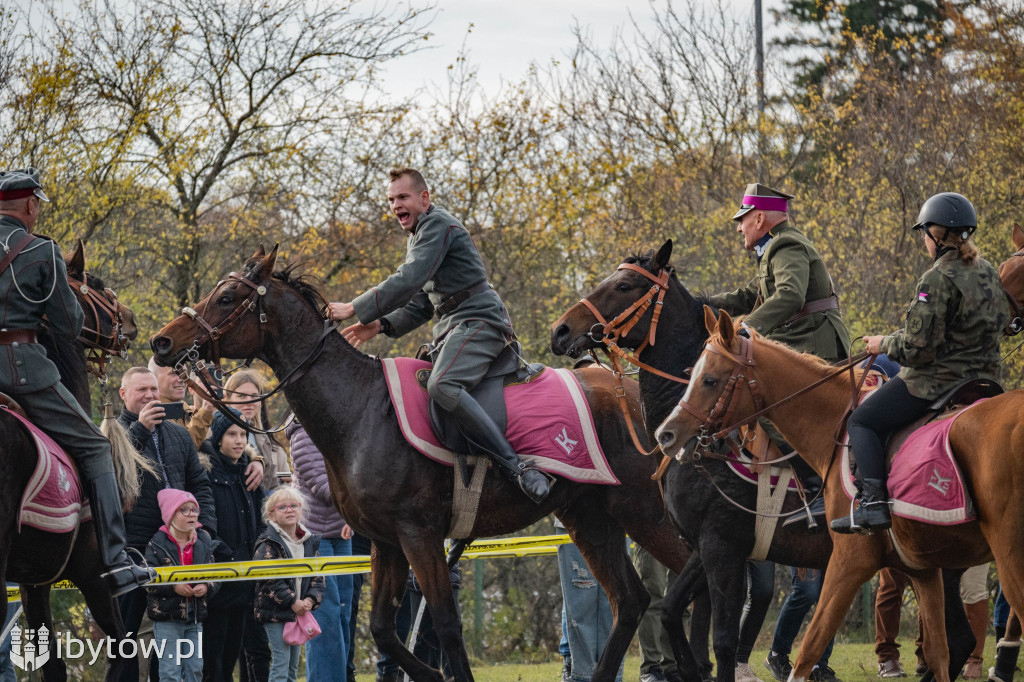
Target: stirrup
(129, 576)
(521, 483)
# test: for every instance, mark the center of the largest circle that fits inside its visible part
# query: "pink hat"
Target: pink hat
(171, 500)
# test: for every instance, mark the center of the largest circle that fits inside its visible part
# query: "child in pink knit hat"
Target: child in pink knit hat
(178, 611)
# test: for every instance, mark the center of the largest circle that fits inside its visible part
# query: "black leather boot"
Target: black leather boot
(871, 515)
(482, 430)
(122, 575)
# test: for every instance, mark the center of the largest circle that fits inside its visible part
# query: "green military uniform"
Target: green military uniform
(953, 327)
(36, 284)
(790, 275)
(442, 262)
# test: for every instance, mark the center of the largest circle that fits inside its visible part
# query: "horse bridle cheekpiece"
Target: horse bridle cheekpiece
(711, 423)
(212, 334)
(1016, 324)
(100, 345)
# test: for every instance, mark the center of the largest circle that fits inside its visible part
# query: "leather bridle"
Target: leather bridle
(609, 333)
(100, 346)
(191, 364)
(1016, 325)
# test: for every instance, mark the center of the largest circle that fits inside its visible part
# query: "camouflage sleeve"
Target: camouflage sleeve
(790, 269)
(924, 330)
(739, 302)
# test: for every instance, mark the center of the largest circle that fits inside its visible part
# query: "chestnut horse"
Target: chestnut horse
(32, 557)
(984, 440)
(701, 497)
(397, 497)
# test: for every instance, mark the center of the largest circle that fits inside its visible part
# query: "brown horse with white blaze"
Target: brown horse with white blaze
(398, 498)
(984, 438)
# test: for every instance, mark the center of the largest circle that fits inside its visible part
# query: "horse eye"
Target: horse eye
(709, 382)
(225, 299)
(622, 287)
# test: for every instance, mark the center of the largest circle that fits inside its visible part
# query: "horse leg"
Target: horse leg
(959, 636)
(853, 562)
(602, 541)
(36, 602)
(700, 630)
(431, 570)
(1007, 651)
(107, 616)
(727, 582)
(389, 571)
(930, 592)
(679, 595)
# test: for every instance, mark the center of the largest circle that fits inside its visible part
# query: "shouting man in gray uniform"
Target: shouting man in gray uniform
(443, 275)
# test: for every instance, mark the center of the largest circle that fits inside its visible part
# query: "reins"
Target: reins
(612, 331)
(191, 364)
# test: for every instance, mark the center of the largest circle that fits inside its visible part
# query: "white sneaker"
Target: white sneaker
(744, 673)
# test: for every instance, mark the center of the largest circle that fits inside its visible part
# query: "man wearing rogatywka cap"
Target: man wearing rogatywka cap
(35, 283)
(792, 301)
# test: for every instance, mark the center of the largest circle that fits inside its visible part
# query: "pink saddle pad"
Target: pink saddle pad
(925, 483)
(52, 500)
(549, 422)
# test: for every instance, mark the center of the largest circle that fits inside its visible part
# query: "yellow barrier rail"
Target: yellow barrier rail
(298, 568)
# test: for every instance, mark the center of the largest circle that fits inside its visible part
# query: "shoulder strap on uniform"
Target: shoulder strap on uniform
(13, 253)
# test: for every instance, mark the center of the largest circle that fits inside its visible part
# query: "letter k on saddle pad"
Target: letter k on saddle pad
(550, 425)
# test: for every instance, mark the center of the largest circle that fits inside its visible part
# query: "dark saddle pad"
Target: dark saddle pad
(507, 369)
(963, 394)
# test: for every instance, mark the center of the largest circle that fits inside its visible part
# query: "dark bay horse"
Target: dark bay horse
(400, 499)
(36, 559)
(697, 494)
(985, 441)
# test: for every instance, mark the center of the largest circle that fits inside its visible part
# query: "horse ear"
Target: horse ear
(710, 321)
(262, 265)
(76, 261)
(664, 254)
(1018, 237)
(726, 329)
(260, 252)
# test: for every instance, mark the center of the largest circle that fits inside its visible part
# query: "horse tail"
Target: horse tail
(127, 462)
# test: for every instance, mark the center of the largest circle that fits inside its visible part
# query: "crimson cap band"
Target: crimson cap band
(763, 198)
(21, 183)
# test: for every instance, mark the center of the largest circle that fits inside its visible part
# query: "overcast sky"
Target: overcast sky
(509, 35)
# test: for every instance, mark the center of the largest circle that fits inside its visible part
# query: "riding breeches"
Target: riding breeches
(56, 412)
(891, 407)
(462, 361)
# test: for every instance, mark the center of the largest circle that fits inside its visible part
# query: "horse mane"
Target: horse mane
(306, 286)
(646, 261)
(822, 367)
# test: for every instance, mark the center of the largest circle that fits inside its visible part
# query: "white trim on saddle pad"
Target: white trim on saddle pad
(916, 512)
(52, 500)
(596, 471)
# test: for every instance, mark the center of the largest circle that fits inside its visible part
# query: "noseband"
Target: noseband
(742, 373)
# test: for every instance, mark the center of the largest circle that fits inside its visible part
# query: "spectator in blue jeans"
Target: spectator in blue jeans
(806, 590)
(325, 653)
(586, 616)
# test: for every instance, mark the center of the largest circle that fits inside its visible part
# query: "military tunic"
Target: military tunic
(790, 274)
(953, 327)
(442, 260)
(36, 284)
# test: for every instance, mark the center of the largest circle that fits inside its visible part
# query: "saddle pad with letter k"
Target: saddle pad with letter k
(549, 422)
(925, 482)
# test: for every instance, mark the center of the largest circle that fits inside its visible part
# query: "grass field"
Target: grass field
(852, 663)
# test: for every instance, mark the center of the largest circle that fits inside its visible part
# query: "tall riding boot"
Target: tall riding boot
(1006, 661)
(977, 616)
(122, 575)
(482, 430)
(873, 512)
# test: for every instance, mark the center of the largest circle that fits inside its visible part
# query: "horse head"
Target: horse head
(109, 325)
(713, 395)
(619, 309)
(1011, 273)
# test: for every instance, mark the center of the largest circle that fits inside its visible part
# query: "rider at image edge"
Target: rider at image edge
(34, 274)
(443, 275)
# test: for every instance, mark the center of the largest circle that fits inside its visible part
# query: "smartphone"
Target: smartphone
(173, 410)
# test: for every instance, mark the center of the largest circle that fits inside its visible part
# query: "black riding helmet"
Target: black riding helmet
(949, 210)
